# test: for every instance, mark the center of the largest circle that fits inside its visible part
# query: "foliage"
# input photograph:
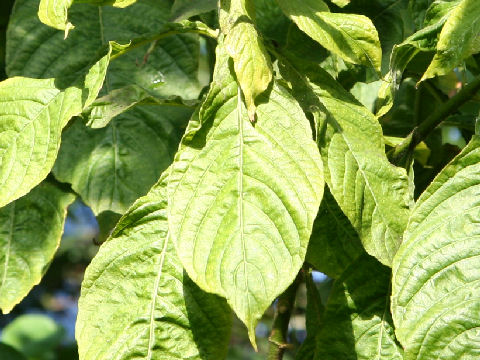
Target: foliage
(229, 149)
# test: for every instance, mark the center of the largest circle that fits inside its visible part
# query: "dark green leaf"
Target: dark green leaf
(31, 225)
(113, 166)
(357, 323)
(184, 9)
(334, 244)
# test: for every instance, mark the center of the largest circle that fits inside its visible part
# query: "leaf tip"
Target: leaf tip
(252, 113)
(68, 26)
(251, 336)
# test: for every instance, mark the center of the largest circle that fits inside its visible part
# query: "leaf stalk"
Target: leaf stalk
(278, 336)
(402, 153)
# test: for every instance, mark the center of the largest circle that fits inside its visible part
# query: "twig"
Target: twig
(278, 336)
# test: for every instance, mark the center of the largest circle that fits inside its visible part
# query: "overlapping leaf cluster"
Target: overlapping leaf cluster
(306, 150)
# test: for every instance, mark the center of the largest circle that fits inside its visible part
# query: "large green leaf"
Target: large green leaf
(243, 197)
(156, 311)
(111, 167)
(271, 21)
(351, 36)
(33, 114)
(170, 69)
(435, 301)
(251, 61)
(458, 38)
(30, 231)
(357, 323)
(373, 194)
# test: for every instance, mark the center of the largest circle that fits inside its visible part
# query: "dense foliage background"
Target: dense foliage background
(239, 179)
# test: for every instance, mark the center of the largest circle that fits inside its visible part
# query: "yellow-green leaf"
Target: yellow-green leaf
(243, 197)
(353, 37)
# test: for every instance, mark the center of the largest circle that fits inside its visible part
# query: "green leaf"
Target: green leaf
(424, 40)
(54, 13)
(170, 67)
(242, 197)
(9, 353)
(370, 191)
(167, 30)
(351, 36)
(184, 9)
(34, 335)
(435, 303)
(334, 243)
(113, 166)
(418, 8)
(156, 312)
(252, 63)
(270, 20)
(33, 114)
(30, 232)
(357, 323)
(458, 39)
(391, 18)
(373, 194)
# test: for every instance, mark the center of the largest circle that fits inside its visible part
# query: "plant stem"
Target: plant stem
(401, 155)
(278, 336)
(169, 30)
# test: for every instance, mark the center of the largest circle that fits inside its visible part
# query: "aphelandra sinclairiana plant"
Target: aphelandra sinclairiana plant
(243, 144)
